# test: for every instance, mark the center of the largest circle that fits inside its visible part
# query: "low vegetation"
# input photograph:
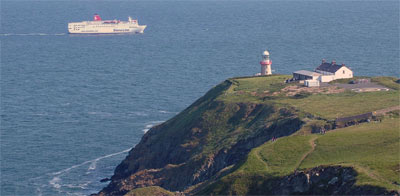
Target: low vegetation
(150, 191)
(348, 80)
(327, 106)
(254, 89)
(333, 106)
(390, 82)
(371, 149)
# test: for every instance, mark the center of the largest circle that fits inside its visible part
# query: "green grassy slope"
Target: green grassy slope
(149, 191)
(371, 149)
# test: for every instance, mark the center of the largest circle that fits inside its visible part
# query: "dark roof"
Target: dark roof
(328, 67)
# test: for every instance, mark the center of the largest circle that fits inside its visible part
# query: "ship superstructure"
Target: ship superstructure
(98, 26)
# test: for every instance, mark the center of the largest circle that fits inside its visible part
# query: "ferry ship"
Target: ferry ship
(98, 26)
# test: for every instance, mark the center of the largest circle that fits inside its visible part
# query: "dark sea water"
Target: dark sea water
(72, 106)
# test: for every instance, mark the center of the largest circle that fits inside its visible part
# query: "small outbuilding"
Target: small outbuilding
(311, 83)
(305, 75)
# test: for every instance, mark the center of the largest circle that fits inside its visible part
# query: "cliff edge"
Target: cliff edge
(225, 139)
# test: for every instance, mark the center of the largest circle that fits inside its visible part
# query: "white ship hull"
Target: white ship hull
(105, 27)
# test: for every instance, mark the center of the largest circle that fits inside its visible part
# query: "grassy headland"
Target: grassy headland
(221, 144)
(372, 149)
(327, 106)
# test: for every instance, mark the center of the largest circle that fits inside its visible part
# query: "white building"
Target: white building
(333, 71)
(325, 72)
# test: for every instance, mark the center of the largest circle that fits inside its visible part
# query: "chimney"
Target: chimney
(323, 61)
(333, 62)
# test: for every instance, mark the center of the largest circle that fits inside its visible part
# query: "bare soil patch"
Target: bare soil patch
(296, 89)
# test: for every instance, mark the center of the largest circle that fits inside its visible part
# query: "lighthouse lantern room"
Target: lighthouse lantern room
(265, 64)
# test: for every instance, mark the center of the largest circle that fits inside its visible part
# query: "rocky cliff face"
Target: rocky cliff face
(198, 143)
(321, 180)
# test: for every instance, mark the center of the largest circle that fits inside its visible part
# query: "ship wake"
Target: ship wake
(32, 34)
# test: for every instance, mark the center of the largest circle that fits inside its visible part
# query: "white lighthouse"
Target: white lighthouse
(265, 64)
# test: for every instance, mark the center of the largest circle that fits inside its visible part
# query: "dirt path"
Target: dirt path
(359, 168)
(257, 153)
(368, 172)
(312, 144)
(386, 110)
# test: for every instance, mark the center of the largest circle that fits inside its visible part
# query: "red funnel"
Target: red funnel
(96, 17)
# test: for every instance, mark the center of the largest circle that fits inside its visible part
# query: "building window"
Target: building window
(343, 71)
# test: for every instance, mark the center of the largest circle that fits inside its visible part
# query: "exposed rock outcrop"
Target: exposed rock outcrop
(321, 180)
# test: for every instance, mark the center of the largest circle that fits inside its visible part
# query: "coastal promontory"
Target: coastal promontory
(264, 136)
